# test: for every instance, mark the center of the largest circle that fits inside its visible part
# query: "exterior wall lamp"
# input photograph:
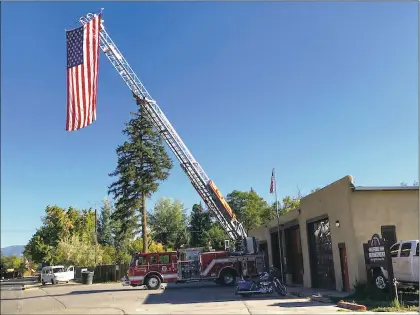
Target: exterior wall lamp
(337, 223)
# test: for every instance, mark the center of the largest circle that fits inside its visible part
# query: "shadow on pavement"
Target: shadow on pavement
(93, 291)
(202, 294)
(307, 303)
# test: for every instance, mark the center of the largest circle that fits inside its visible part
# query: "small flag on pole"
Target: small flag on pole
(273, 182)
(82, 74)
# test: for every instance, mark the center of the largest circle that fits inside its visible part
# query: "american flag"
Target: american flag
(273, 182)
(82, 74)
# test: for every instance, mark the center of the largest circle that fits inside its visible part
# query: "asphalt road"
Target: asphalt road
(175, 299)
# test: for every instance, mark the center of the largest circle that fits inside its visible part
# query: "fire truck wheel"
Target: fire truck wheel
(153, 282)
(227, 278)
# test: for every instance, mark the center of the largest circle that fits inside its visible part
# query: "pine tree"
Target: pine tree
(142, 164)
(105, 223)
(199, 224)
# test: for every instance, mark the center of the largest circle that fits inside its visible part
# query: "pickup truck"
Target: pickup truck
(405, 263)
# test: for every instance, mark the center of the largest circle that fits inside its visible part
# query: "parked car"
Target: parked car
(405, 264)
(56, 274)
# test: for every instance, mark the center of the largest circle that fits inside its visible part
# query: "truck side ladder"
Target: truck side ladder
(199, 179)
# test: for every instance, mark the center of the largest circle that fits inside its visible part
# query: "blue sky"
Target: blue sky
(316, 90)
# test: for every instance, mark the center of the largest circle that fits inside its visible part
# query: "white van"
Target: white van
(55, 274)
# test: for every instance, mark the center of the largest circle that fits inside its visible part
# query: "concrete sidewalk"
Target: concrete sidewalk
(308, 292)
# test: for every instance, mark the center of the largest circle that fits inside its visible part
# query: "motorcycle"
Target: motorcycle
(267, 283)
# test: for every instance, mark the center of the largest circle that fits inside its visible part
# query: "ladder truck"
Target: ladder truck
(242, 259)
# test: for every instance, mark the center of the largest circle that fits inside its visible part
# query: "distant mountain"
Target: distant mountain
(13, 250)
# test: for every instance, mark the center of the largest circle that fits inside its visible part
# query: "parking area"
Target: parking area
(196, 298)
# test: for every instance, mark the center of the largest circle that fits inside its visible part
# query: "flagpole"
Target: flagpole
(278, 225)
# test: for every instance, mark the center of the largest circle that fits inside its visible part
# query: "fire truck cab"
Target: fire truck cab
(188, 265)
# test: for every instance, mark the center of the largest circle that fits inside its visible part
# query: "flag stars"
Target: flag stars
(75, 47)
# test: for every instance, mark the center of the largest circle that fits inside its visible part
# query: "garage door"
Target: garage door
(320, 253)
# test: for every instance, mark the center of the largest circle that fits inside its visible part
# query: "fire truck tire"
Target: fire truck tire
(227, 278)
(152, 282)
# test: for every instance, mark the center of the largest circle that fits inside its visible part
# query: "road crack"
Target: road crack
(247, 308)
(53, 297)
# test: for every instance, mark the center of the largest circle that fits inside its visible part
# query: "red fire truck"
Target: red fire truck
(187, 265)
(181, 266)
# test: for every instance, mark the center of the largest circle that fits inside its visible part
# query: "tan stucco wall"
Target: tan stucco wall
(371, 209)
(262, 233)
(334, 201)
(358, 213)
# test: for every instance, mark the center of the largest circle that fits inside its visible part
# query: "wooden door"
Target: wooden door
(344, 267)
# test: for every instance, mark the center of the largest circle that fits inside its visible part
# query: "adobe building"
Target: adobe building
(322, 240)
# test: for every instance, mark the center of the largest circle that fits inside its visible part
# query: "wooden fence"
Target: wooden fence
(103, 273)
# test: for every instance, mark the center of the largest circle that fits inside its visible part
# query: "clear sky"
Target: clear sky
(316, 90)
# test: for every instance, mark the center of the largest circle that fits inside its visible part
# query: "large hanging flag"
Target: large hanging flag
(82, 74)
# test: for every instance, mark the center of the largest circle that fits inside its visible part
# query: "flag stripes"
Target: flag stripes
(82, 74)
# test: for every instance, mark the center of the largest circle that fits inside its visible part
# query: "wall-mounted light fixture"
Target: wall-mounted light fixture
(299, 211)
(337, 223)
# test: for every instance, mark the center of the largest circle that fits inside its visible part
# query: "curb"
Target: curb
(321, 299)
(351, 306)
(39, 285)
(30, 286)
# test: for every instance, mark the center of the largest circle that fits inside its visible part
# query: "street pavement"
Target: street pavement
(175, 299)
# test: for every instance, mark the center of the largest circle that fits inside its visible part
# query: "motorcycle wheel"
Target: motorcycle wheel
(280, 287)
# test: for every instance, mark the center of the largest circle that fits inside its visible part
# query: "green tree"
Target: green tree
(86, 227)
(254, 209)
(288, 204)
(168, 223)
(38, 247)
(199, 223)
(250, 209)
(142, 164)
(56, 223)
(126, 219)
(74, 251)
(237, 201)
(215, 237)
(109, 256)
(60, 226)
(105, 225)
(12, 262)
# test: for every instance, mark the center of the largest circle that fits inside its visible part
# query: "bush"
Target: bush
(366, 291)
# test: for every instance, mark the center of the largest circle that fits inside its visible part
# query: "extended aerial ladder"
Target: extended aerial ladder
(205, 187)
